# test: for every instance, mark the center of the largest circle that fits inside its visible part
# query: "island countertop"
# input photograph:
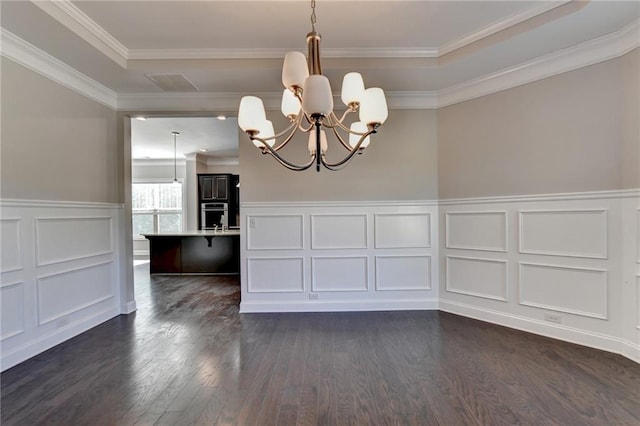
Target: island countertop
(195, 252)
(207, 233)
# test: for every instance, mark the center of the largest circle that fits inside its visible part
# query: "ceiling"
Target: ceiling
(152, 139)
(226, 49)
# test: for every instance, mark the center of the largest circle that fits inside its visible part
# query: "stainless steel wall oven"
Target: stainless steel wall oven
(214, 215)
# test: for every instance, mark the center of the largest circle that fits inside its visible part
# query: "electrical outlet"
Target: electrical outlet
(314, 296)
(252, 222)
(555, 318)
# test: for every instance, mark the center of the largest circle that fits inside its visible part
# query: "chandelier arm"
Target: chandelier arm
(340, 122)
(293, 127)
(345, 160)
(266, 149)
(344, 144)
(307, 130)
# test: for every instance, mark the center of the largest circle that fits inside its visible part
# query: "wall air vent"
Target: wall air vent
(172, 82)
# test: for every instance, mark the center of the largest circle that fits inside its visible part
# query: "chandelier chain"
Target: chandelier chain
(313, 15)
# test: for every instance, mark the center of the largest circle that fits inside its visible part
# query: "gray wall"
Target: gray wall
(399, 164)
(56, 144)
(630, 65)
(562, 134)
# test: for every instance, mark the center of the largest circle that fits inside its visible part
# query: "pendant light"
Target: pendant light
(175, 158)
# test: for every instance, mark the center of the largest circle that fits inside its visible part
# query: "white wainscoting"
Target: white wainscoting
(92, 237)
(579, 291)
(569, 260)
(408, 272)
(574, 233)
(478, 277)
(638, 300)
(402, 230)
(275, 275)
(350, 256)
(12, 303)
(61, 273)
(344, 273)
(638, 236)
(11, 252)
(339, 231)
(484, 231)
(275, 232)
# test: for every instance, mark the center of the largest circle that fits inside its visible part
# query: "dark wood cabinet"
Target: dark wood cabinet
(214, 187)
(223, 188)
(194, 254)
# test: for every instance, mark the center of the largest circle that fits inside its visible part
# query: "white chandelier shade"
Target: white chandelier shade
(307, 102)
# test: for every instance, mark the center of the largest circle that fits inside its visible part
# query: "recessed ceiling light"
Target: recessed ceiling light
(204, 150)
(221, 117)
(141, 118)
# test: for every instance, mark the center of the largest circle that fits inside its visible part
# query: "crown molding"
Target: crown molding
(499, 26)
(185, 54)
(74, 19)
(157, 162)
(588, 53)
(29, 56)
(235, 161)
(591, 52)
(69, 15)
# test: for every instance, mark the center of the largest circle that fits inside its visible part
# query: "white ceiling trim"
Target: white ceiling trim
(29, 56)
(82, 25)
(499, 26)
(176, 54)
(157, 162)
(588, 53)
(86, 28)
(223, 161)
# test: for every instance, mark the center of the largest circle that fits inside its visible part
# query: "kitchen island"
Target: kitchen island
(195, 252)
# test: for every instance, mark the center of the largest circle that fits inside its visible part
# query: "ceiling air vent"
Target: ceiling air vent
(172, 82)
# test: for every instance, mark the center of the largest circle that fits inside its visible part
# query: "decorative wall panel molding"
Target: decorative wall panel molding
(10, 244)
(275, 274)
(72, 274)
(12, 304)
(336, 270)
(401, 230)
(339, 231)
(275, 232)
(573, 233)
(638, 236)
(403, 272)
(92, 236)
(638, 302)
(344, 273)
(574, 290)
(486, 278)
(66, 292)
(476, 230)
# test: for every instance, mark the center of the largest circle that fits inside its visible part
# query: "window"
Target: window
(157, 207)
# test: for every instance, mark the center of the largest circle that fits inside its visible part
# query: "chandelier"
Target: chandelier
(307, 101)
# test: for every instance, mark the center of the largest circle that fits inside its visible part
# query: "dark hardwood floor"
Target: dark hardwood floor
(187, 357)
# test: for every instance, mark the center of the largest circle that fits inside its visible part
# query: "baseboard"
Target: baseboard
(631, 351)
(128, 308)
(37, 346)
(339, 306)
(567, 334)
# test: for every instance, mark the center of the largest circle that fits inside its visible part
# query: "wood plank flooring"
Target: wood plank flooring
(188, 357)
